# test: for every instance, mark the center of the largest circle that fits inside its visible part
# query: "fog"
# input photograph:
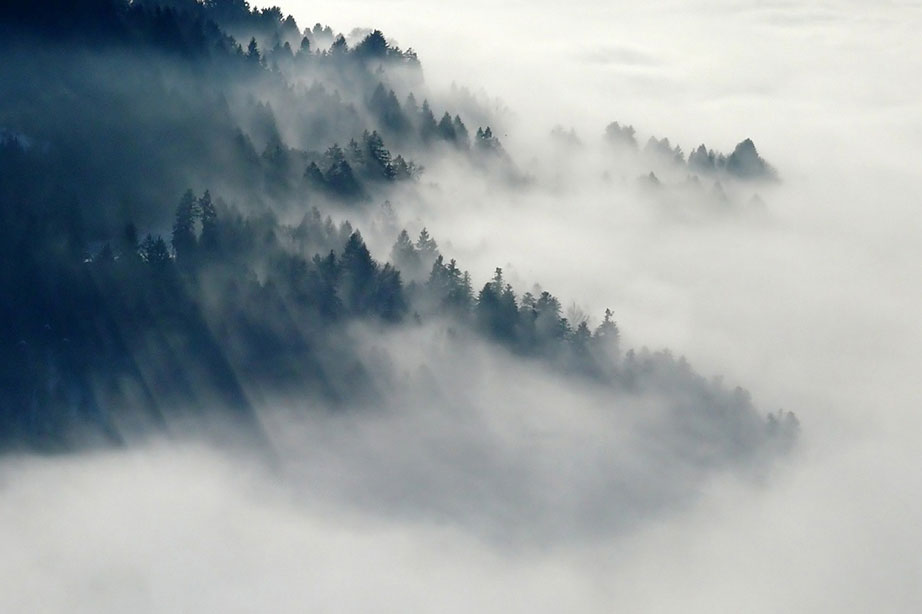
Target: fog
(492, 484)
(811, 303)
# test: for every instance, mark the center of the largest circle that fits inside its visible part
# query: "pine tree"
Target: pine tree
(447, 128)
(394, 117)
(378, 153)
(155, 252)
(608, 329)
(581, 337)
(427, 126)
(341, 180)
(378, 102)
(339, 47)
(388, 298)
(401, 169)
(355, 155)
(405, 256)
(426, 246)
(253, 51)
(359, 271)
(621, 136)
(496, 309)
(209, 217)
(314, 175)
(184, 240)
(372, 46)
(462, 138)
(333, 156)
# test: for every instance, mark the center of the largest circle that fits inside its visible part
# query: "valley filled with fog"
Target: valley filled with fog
(275, 412)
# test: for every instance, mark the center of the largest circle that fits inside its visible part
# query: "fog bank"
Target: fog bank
(510, 500)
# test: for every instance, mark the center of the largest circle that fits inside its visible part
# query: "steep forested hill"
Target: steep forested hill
(183, 191)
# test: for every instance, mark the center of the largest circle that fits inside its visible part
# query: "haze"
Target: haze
(809, 301)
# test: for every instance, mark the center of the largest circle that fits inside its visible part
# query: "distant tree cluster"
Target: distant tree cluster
(411, 121)
(663, 149)
(342, 171)
(621, 136)
(744, 163)
(487, 142)
(531, 325)
(286, 49)
(414, 259)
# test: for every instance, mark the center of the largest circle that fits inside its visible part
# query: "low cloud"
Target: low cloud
(470, 479)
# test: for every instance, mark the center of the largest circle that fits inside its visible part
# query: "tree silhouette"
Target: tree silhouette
(253, 51)
(462, 138)
(447, 128)
(372, 46)
(426, 246)
(184, 239)
(378, 155)
(405, 256)
(358, 275)
(428, 129)
(209, 218)
(155, 252)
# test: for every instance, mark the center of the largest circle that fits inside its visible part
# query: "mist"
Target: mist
(463, 477)
(809, 301)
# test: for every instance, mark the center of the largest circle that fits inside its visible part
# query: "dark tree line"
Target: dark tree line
(228, 304)
(234, 303)
(344, 172)
(410, 121)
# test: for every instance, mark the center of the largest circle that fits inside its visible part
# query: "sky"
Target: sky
(811, 304)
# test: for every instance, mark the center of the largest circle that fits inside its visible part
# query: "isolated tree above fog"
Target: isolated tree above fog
(743, 164)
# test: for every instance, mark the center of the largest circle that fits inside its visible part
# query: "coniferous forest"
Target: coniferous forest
(189, 193)
(349, 306)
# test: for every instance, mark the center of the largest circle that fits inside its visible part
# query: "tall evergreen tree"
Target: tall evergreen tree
(359, 270)
(389, 302)
(426, 246)
(379, 155)
(462, 138)
(253, 51)
(314, 175)
(155, 252)
(405, 256)
(339, 48)
(427, 126)
(209, 217)
(447, 128)
(184, 240)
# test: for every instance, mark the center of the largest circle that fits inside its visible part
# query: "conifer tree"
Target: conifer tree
(427, 126)
(209, 217)
(184, 240)
(447, 128)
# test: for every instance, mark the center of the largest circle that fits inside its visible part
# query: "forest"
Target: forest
(186, 189)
